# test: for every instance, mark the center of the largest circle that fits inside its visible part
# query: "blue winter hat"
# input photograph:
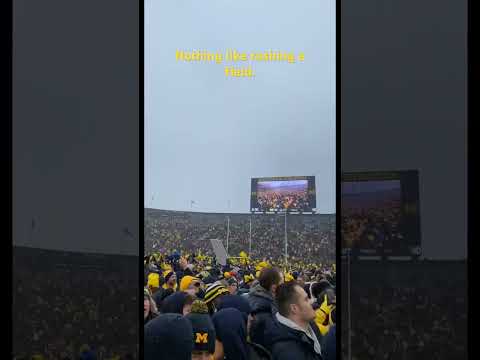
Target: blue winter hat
(167, 337)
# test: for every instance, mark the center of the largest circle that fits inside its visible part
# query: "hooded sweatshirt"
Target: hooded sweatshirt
(231, 331)
(263, 309)
(237, 302)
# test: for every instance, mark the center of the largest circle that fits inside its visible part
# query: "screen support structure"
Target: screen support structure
(286, 240)
(349, 309)
(228, 230)
(250, 238)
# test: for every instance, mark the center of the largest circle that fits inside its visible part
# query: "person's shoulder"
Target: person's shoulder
(286, 346)
(257, 351)
(259, 304)
(279, 333)
(258, 299)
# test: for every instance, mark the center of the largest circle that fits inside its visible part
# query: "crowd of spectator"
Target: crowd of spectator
(73, 305)
(275, 201)
(404, 310)
(310, 238)
(249, 308)
(372, 227)
(257, 305)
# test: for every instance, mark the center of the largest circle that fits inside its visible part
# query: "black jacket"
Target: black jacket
(263, 310)
(289, 344)
(329, 344)
(257, 352)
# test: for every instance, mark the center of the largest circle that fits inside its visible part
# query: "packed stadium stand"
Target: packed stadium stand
(404, 310)
(310, 237)
(65, 303)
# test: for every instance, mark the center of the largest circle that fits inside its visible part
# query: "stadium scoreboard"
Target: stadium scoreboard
(380, 214)
(292, 194)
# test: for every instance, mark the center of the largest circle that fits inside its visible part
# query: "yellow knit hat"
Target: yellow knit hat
(153, 280)
(186, 281)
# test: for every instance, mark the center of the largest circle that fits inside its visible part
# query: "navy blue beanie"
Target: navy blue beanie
(236, 302)
(174, 303)
(167, 337)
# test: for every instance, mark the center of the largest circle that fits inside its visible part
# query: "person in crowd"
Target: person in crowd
(232, 285)
(255, 351)
(318, 289)
(149, 307)
(153, 283)
(294, 335)
(248, 282)
(184, 268)
(168, 337)
(300, 279)
(262, 302)
(203, 331)
(231, 335)
(237, 302)
(323, 314)
(177, 303)
(213, 295)
(190, 284)
(169, 286)
(170, 280)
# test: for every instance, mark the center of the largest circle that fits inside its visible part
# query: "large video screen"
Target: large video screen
(280, 194)
(380, 213)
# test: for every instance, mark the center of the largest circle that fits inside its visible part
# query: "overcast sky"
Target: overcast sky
(207, 135)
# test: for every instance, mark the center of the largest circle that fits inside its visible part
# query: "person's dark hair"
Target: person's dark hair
(330, 296)
(318, 288)
(268, 277)
(286, 295)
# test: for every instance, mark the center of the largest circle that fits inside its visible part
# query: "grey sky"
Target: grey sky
(404, 106)
(76, 125)
(206, 135)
